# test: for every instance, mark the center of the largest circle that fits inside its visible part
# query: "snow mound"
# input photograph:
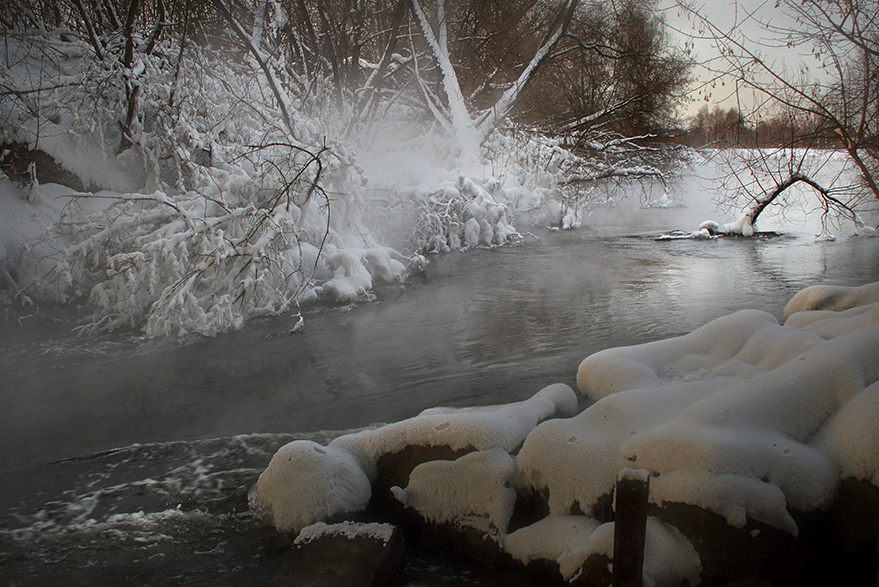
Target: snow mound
(742, 417)
(306, 483)
(554, 538)
(831, 323)
(832, 297)
(741, 345)
(477, 484)
(852, 437)
(357, 271)
(669, 558)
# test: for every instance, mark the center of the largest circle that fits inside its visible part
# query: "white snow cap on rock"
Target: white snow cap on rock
(480, 428)
(307, 483)
(553, 538)
(477, 484)
(350, 530)
(832, 297)
(669, 558)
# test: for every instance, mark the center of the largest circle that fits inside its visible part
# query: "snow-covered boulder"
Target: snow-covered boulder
(832, 297)
(745, 425)
(725, 418)
(477, 484)
(754, 434)
(306, 483)
(478, 428)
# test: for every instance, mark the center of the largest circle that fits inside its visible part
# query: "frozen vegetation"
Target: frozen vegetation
(233, 195)
(745, 418)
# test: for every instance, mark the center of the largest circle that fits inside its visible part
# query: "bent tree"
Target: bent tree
(834, 104)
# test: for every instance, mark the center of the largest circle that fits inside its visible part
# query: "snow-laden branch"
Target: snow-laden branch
(262, 59)
(828, 200)
(615, 173)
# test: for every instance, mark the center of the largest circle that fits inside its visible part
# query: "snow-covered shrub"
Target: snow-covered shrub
(461, 216)
(214, 212)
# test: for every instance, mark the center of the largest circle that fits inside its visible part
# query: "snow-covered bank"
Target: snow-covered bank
(210, 213)
(753, 422)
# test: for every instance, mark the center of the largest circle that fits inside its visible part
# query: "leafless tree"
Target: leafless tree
(839, 104)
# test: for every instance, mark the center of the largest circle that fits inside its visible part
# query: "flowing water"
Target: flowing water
(128, 460)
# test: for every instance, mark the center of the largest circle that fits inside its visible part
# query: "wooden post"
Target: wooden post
(630, 526)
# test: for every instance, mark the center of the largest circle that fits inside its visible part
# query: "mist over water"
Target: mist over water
(478, 327)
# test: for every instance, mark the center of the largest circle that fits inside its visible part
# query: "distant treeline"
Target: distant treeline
(719, 127)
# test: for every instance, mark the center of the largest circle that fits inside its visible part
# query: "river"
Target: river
(126, 459)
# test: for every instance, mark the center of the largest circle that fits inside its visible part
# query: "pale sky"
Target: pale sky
(728, 15)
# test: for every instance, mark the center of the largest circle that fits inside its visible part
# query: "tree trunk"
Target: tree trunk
(507, 101)
(465, 133)
(89, 28)
(132, 89)
(795, 178)
(261, 61)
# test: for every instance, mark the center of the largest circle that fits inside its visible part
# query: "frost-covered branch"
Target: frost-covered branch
(762, 178)
(261, 59)
(616, 172)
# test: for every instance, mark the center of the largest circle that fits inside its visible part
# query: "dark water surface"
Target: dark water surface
(128, 460)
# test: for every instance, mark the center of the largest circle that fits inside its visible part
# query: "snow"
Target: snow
(350, 530)
(196, 231)
(669, 558)
(727, 418)
(740, 345)
(744, 417)
(219, 211)
(637, 475)
(852, 437)
(830, 323)
(306, 483)
(550, 539)
(188, 231)
(478, 428)
(476, 484)
(832, 297)
(743, 226)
